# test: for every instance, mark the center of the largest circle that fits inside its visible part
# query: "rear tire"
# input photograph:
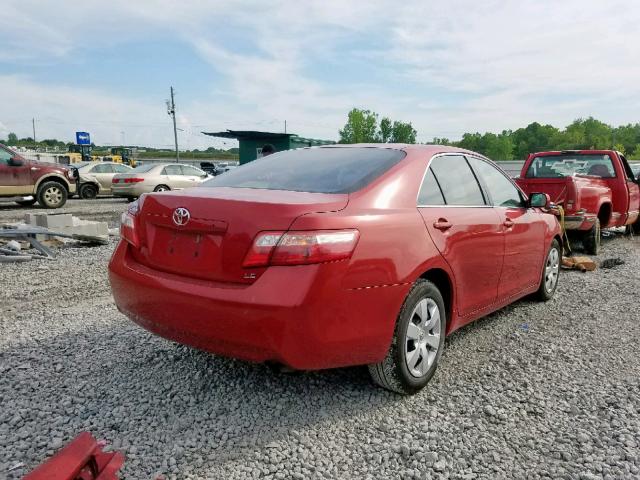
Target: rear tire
(591, 239)
(161, 188)
(88, 191)
(417, 343)
(26, 203)
(550, 273)
(52, 195)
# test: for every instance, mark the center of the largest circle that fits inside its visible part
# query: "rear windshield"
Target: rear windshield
(565, 165)
(143, 168)
(318, 170)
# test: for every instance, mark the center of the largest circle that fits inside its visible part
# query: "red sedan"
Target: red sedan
(327, 257)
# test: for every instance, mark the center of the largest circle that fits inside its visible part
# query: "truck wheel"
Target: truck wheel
(591, 239)
(52, 195)
(549, 280)
(88, 191)
(417, 343)
(26, 203)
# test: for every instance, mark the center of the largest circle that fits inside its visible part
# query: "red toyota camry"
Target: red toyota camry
(333, 256)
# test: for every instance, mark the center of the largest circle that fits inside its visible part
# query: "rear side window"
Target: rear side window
(319, 170)
(503, 193)
(192, 171)
(457, 182)
(102, 168)
(5, 155)
(121, 168)
(430, 193)
(172, 170)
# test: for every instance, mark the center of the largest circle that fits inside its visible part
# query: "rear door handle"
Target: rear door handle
(508, 223)
(442, 224)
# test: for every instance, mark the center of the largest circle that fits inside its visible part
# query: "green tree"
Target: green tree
(12, 139)
(635, 154)
(403, 132)
(533, 138)
(361, 127)
(386, 130)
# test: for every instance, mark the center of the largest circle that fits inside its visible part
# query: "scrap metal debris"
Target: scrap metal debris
(611, 262)
(41, 231)
(82, 459)
(584, 264)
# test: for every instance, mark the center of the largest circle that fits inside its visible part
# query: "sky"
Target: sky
(446, 66)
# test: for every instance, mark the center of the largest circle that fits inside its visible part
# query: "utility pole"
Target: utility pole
(33, 123)
(171, 110)
(285, 126)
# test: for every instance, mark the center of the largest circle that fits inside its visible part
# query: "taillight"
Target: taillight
(301, 247)
(133, 180)
(115, 180)
(129, 222)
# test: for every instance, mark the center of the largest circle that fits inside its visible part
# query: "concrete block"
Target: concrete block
(59, 220)
(41, 219)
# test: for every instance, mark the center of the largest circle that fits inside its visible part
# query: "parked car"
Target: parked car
(596, 188)
(49, 184)
(156, 177)
(95, 177)
(333, 256)
(211, 168)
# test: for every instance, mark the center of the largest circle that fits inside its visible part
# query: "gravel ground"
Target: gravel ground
(533, 391)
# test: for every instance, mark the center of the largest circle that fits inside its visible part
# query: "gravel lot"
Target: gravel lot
(533, 391)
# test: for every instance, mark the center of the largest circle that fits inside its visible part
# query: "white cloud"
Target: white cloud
(447, 66)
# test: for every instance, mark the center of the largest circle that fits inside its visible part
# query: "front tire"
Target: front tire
(88, 191)
(161, 188)
(591, 239)
(52, 195)
(417, 343)
(551, 273)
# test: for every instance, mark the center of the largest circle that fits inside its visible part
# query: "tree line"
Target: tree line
(362, 126)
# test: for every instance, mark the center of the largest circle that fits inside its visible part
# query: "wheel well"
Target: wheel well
(93, 184)
(441, 279)
(604, 214)
(559, 239)
(53, 179)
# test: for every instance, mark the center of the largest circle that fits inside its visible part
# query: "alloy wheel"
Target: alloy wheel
(552, 269)
(53, 196)
(422, 337)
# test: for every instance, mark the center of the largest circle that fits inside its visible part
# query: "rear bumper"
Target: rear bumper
(130, 190)
(298, 316)
(582, 221)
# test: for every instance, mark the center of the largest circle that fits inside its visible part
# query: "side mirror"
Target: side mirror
(539, 200)
(15, 162)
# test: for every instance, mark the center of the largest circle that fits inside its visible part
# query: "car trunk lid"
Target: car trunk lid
(205, 233)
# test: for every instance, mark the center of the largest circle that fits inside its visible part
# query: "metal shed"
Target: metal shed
(251, 142)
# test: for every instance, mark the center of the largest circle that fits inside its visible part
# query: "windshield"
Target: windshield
(318, 170)
(566, 165)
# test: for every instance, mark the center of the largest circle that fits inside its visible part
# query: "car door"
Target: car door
(173, 177)
(633, 187)
(15, 179)
(193, 175)
(103, 173)
(523, 227)
(464, 228)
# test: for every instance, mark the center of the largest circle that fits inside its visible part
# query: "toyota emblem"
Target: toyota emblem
(181, 216)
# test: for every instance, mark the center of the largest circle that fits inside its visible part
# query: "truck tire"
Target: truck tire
(635, 227)
(88, 191)
(52, 194)
(591, 239)
(417, 343)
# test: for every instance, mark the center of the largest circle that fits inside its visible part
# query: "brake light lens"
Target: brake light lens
(115, 180)
(133, 180)
(301, 247)
(129, 222)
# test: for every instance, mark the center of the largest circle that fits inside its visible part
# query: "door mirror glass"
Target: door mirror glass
(15, 162)
(540, 200)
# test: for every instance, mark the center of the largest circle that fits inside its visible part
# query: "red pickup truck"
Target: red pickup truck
(596, 189)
